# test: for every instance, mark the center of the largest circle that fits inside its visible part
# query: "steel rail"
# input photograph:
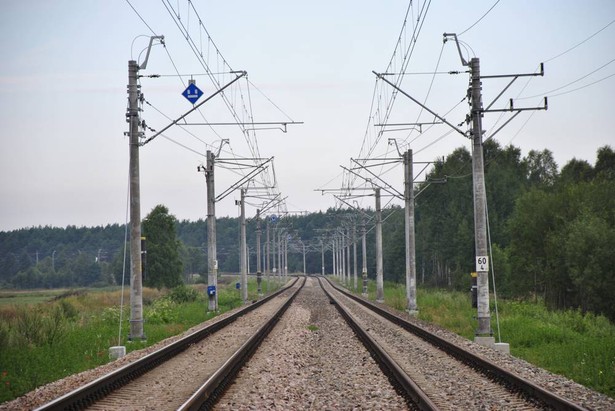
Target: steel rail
(209, 393)
(489, 369)
(404, 384)
(88, 394)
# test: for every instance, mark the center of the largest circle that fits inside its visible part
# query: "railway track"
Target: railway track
(311, 360)
(434, 373)
(191, 372)
(324, 368)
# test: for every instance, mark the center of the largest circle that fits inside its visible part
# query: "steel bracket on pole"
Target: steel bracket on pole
(174, 122)
(380, 76)
(257, 170)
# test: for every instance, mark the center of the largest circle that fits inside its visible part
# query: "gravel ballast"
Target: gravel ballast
(311, 360)
(315, 362)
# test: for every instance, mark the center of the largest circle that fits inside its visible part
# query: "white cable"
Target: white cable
(119, 337)
(491, 266)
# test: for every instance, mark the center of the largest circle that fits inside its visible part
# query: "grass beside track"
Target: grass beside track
(569, 343)
(50, 334)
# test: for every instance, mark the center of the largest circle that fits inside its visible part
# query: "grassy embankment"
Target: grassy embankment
(47, 335)
(580, 347)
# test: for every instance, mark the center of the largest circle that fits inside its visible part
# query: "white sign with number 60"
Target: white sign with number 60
(482, 263)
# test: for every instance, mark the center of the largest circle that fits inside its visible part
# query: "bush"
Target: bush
(4, 335)
(35, 327)
(161, 311)
(28, 326)
(112, 314)
(69, 311)
(183, 294)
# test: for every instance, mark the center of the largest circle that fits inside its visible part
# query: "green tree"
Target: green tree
(591, 262)
(505, 182)
(576, 171)
(530, 223)
(605, 163)
(85, 271)
(445, 222)
(119, 268)
(541, 168)
(394, 245)
(164, 267)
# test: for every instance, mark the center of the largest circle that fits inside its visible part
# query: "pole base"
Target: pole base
(502, 347)
(117, 352)
(488, 342)
(413, 313)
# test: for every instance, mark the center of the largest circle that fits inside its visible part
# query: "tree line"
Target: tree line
(552, 233)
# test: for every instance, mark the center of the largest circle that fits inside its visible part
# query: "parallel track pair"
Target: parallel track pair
(207, 395)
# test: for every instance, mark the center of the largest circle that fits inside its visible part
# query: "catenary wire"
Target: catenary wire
(571, 83)
(479, 20)
(252, 142)
(433, 77)
(582, 87)
(403, 66)
(578, 44)
(249, 135)
(142, 19)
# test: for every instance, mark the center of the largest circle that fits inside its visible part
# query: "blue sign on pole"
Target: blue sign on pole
(211, 290)
(273, 218)
(238, 285)
(192, 93)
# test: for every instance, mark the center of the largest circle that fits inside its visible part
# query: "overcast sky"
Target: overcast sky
(64, 156)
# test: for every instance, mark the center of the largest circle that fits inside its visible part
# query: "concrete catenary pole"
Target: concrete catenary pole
(379, 265)
(354, 253)
(273, 257)
(285, 256)
(212, 259)
(480, 220)
(344, 250)
(259, 273)
(280, 266)
(333, 256)
(343, 255)
(410, 239)
(136, 285)
(333, 259)
(348, 266)
(338, 256)
(304, 268)
(322, 257)
(364, 257)
(267, 255)
(243, 248)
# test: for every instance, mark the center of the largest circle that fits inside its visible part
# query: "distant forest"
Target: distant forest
(552, 232)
